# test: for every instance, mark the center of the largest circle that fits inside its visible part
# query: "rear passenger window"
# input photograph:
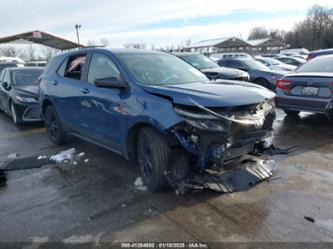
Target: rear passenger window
(235, 64)
(74, 67)
(101, 66)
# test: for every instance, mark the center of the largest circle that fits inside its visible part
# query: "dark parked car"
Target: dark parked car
(211, 69)
(319, 52)
(4, 65)
(153, 107)
(295, 61)
(19, 93)
(259, 73)
(310, 88)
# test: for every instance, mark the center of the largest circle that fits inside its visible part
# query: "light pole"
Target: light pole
(77, 27)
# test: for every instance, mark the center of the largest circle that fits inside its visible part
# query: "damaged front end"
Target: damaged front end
(212, 137)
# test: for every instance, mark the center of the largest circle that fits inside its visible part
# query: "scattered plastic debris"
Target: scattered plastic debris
(86, 160)
(13, 156)
(75, 162)
(63, 155)
(308, 218)
(82, 154)
(265, 148)
(41, 157)
(22, 163)
(239, 178)
(139, 185)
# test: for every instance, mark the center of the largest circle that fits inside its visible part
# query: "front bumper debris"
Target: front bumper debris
(245, 175)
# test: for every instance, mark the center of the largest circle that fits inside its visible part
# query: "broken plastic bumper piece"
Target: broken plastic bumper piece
(245, 175)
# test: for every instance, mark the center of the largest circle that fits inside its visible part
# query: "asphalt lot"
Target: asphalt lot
(97, 201)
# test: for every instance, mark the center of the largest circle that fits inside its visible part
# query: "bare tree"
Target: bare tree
(188, 42)
(30, 53)
(315, 31)
(91, 43)
(105, 42)
(135, 45)
(258, 33)
(9, 51)
(48, 52)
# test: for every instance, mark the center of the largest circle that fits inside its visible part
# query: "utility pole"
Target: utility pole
(77, 27)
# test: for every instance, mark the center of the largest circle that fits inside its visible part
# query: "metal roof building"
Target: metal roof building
(216, 45)
(234, 44)
(41, 38)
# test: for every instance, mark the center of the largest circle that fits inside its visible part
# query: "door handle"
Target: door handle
(54, 82)
(85, 90)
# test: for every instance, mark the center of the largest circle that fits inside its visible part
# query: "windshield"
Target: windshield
(255, 65)
(160, 69)
(321, 65)
(198, 61)
(272, 61)
(26, 77)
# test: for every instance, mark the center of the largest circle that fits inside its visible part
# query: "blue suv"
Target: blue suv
(155, 108)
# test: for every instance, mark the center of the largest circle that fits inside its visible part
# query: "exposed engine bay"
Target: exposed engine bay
(211, 138)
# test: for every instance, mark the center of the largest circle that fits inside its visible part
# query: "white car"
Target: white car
(219, 56)
(295, 51)
(274, 64)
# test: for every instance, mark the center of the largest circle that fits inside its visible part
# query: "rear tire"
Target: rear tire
(16, 119)
(263, 82)
(153, 153)
(54, 127)
(291, 113)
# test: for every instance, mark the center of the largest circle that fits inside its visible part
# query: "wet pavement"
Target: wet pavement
(97, 200)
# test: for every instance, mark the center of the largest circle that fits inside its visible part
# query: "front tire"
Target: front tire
(153, 153)
(53, 125)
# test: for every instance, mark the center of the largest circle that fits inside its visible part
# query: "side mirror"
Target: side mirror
(5, 85)
(111, 82)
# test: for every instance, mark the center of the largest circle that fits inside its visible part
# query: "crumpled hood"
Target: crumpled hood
(27, 90)
(215, 94)
(225, 72)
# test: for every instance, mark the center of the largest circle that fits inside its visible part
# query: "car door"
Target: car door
(103, 107)
(4, 92)
(67, 91)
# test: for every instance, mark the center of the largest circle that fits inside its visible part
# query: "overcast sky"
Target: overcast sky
(159, 22)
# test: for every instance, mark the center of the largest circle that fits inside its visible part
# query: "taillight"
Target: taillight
(283, 84)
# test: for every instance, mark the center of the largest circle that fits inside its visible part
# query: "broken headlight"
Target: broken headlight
(211, 125)
(202, 121)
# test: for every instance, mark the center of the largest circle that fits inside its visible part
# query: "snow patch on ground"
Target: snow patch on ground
(82, 154)
(41, 157)
(67, 156)
(64, 155)
(139, 185)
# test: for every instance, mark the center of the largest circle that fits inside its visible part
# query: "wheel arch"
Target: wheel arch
(132, 135)
(45, 104)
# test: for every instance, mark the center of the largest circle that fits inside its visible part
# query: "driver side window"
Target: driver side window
(101, 66)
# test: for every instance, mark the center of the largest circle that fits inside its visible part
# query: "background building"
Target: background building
(234, 44)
